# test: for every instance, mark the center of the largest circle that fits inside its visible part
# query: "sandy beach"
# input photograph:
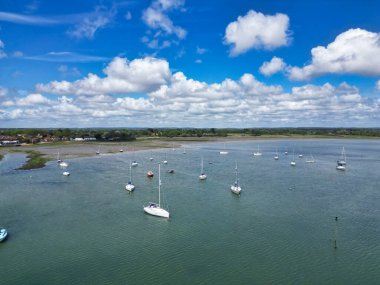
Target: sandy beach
(80, 149)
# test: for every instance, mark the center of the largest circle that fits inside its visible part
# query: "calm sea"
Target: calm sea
(86, 229)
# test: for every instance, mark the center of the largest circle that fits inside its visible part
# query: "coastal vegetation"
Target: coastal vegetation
(35, 160)
(123, 134)
(1, 157)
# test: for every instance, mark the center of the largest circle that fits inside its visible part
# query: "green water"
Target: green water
(86, 229)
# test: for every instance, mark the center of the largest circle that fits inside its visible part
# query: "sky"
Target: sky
(189, 63)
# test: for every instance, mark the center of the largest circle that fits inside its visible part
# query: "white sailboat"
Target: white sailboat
(202, 176)
(134, 162)
(224, 150)
(3, 234)
(341, 163)
(63, 164)
(293, 162)
(130, 186)
(155, 209)
(98, 151)
(257, 153)
(235, 188)
(184, 150)
(165, 161)
(58, 158)
(276, 156)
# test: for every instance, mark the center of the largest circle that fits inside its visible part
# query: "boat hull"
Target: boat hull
(3, 234)
(130, 187)
(156, 211)
(202, 177)
(235, 189)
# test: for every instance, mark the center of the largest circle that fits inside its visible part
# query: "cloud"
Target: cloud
(128, 16)
(355, 51)
(2, 52)
(198, 61)
(143, 92)
(91, 23)
(377, 86)
(157, 19)
(33, 99)
(3, 92)
(17, 54)
(27, 19)
(201, 50)
(67, 71)
(66, 56)
(122, 76)
(257, 31)
(275, 65)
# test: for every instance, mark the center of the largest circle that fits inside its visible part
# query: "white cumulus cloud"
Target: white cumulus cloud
(164, 99)
(275, 65)
(122, 76)
(32, 100)
(257, 31)
(355, 51)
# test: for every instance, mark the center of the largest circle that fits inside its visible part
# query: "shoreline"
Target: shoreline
(70, 149)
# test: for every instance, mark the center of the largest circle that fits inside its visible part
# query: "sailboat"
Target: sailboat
(203, 176)
(341, 164)
(165, 161)
(66, 173)
(130, 187)
(3, 234)
(58, 158)
(184, 150)
(236, 189)
(155, 209)
(310, 159)
(224, 150)
(293, 162)
(134, 162)
(63, 164)
(98, 151)
(257, 153)
(276, 156)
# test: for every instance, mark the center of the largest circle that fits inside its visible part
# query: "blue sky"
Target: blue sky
(183, 63)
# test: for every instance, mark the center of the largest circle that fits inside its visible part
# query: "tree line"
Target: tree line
(124, 134)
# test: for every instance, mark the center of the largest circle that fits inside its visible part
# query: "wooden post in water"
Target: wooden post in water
(336, 232)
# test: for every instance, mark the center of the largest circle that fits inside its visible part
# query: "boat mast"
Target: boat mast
(159, 185)
(237, 178)
(130, 171)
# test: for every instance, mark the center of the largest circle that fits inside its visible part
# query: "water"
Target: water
(86, 229)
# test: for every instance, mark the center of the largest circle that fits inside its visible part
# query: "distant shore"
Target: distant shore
(73, 149)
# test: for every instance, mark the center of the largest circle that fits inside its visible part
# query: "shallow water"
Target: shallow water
(86, 229)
